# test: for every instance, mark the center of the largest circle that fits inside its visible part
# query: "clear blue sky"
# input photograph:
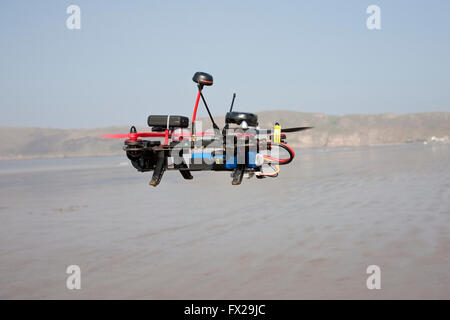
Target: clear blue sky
(135, 58)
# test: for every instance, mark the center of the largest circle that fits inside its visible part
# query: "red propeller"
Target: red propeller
(134, 135)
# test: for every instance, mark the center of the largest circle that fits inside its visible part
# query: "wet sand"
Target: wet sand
(311, 233)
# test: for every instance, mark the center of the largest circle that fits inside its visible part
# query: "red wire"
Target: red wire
(283, 160)
(196, 107)
(290, 149)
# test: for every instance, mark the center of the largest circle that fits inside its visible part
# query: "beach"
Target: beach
(311, 233)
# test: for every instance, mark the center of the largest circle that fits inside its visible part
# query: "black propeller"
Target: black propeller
(295, 129)
(287, 130)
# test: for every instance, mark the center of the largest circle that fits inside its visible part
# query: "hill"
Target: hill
(329, 131)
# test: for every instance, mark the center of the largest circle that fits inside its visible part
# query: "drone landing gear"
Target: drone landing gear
(237, 175)
(186, 174)
(159, 169)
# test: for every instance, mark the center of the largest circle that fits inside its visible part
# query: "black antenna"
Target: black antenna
(232, 101)
(209, 113)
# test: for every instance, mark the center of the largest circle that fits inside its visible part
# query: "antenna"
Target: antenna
(207, 109)
(202, 79)
(232, 101)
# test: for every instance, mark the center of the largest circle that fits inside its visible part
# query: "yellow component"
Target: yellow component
(277, 133)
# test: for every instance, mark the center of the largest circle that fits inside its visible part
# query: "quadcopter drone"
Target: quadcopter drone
(241, 147)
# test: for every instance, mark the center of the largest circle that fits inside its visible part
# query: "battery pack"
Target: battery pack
(162, 121)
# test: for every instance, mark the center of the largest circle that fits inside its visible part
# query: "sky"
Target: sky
(131, 59)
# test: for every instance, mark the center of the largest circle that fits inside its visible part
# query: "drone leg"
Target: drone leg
(159, 169)
(238, 174)
(186, 174)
